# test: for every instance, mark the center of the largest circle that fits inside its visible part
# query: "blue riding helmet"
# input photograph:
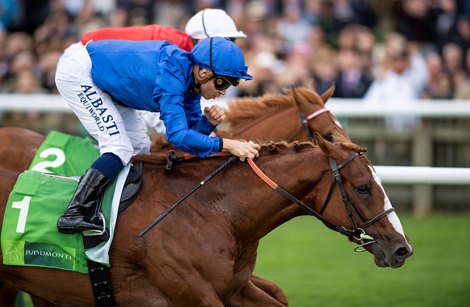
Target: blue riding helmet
(221, 56)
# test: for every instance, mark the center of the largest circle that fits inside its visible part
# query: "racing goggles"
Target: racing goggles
(224, 82)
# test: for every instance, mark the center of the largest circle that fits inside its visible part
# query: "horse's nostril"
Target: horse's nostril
(401, 253)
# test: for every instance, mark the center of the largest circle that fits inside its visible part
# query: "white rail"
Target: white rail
(422, 175)
(340, 107)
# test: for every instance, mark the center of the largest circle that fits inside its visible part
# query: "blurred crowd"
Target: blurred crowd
(371, 49)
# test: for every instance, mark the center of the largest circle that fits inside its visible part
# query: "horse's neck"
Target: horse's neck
(280, 125)
(257, 209)
(237, 196)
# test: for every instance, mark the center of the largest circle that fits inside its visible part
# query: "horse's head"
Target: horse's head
(357, 206)
(314, 115)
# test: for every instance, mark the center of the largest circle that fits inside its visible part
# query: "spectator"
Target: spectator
(47, 66)
(445, 20)
(296, 70)
(460, 33)
(351, 81)
(324, 72)
(320, 50)
(416, 20)
(453, 58)
(292, 27)
(264, 68)
(439, 84)
(403, 79)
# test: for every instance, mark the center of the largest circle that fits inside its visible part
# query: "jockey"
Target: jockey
(205, 23)
(106, 82)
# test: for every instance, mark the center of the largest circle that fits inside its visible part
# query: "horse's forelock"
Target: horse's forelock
(353, 147)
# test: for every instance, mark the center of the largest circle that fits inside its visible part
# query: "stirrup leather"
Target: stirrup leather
(94, 232)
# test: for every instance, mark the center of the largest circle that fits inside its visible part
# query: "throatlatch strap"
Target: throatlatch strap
(100, 278)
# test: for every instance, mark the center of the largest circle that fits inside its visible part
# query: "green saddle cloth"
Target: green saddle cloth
(65, 154)
(29, 233)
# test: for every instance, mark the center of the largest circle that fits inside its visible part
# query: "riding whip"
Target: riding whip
(168, 211)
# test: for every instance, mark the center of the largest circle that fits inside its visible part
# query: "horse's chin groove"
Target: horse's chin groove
(380, 257)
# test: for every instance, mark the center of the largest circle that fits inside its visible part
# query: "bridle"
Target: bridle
(305, 119)
(356, 232)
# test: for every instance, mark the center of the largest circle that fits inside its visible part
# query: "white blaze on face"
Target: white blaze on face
(338, 123)
(392, 216)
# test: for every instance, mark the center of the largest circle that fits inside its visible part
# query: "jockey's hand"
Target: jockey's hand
(243, 150)
(214, 114)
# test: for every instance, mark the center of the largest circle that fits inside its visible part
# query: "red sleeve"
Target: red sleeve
(174, 36)
(150, 32)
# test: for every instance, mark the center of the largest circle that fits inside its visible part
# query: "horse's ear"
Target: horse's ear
(295, 96)
(331, 148)
(325, 146)
(328, 93)
(305, 96)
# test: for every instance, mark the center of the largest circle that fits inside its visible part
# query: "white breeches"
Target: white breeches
(118, 129)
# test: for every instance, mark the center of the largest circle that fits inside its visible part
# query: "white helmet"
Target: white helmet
(212, 22)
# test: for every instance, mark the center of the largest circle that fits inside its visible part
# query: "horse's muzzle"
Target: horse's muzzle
(394, 257)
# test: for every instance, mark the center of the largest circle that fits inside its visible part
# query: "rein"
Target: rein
(165, 213)
(357, 232)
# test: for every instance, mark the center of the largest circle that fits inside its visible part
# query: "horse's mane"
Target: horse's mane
(283, 146)
(244, 109)
(161, 158)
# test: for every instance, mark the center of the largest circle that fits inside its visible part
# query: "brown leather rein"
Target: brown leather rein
(356, 232)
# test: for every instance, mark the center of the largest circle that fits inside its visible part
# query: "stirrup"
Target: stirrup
(93, 232)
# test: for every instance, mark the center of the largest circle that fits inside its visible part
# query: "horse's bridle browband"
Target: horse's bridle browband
(305, 119)
(357, 232)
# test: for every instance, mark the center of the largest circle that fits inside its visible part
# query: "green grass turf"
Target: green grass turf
(318, 267)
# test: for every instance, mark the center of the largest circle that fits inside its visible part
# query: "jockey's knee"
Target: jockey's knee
(124, 152)
(142, 146)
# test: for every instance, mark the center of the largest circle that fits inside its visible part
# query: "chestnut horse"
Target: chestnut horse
(248, 118)
(275, 117)
(204, 252)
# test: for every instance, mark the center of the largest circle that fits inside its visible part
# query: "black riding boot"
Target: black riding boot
(89, 191)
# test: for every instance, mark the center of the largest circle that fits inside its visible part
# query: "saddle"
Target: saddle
(129, 193)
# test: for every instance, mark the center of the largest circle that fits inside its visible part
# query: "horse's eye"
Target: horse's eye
(328, 137)
(363, 189)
